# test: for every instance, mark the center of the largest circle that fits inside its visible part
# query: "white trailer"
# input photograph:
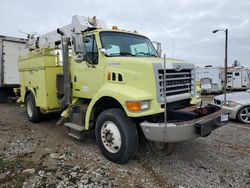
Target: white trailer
(238, 79)
(10, 49)
(210, 79)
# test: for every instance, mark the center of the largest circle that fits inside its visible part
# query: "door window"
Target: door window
(91, 49)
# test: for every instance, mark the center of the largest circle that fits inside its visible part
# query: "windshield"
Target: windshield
(125, 44)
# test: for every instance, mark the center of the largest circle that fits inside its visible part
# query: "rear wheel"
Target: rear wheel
(161, 148)
(244, 115)
(33, 113)
(116, 136)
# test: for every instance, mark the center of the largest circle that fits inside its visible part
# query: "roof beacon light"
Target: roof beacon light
(114, 27)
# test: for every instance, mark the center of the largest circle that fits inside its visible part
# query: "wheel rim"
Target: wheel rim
(161, 148)
(111, 137)
(245, 114)
(29, 109)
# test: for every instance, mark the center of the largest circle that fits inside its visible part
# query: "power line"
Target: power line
(241, 41)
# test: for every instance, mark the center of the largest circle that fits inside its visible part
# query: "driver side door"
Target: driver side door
(87, 74)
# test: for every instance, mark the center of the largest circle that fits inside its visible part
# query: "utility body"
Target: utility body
(115, 82)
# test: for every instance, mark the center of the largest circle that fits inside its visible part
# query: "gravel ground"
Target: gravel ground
(43, 155)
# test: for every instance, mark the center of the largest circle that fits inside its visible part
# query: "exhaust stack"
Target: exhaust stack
(66, 71)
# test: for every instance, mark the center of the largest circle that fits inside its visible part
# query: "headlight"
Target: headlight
(144, 105)
(231, 103)
(137, 106)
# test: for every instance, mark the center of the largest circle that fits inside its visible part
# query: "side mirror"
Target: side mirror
(104, 51)
(78, 47)
(157, 46)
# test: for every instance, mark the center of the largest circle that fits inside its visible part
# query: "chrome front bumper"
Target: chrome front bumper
(186, 130)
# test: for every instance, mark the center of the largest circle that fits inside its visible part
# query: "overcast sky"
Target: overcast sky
(184, 27)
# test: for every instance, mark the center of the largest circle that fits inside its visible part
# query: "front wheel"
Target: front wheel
(116, 136)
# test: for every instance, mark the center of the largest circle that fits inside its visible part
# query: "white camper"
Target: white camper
(10, 49)
(210, 79)
(238, 78)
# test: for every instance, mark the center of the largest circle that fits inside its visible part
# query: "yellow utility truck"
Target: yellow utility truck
(115, 82)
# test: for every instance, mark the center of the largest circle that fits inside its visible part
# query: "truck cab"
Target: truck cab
(116, 83)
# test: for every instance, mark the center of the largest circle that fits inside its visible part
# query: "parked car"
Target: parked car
(237, 104)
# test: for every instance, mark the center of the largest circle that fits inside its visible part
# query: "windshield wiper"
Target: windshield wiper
(121, 54)
(147, 54)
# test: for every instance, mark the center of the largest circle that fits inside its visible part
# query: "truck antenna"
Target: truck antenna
(173, 48)
(20, 31)
(164, 92)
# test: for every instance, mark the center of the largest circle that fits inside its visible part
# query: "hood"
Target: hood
(239, 97)
(149, 60)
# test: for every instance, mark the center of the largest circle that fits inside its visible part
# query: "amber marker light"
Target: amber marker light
(137, 106)
(133, 106)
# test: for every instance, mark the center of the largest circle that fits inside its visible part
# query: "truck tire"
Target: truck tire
(116, 136)
(160, 148)
(33, 113)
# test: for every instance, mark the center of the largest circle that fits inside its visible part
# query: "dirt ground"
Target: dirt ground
(43, 155)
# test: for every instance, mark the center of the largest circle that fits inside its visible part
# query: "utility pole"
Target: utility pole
(225, 72)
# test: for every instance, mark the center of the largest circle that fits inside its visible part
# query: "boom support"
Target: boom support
(78, 25)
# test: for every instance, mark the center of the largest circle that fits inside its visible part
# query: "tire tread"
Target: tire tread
(36, 115)
(131, 143)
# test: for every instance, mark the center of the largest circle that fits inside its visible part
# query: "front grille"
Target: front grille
(176, 82)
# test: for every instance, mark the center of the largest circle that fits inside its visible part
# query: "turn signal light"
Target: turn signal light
(134, 106)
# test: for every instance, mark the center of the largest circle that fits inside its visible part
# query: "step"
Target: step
(78, 137)
(74, 126)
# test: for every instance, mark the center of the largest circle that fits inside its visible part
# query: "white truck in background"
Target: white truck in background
(238, 79)
(10, 49)
(210, 79)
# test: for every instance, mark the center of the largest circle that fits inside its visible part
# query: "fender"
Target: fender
(29, 90)
(121, 93)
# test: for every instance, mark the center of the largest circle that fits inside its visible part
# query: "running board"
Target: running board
(78, 137)
(74, 126)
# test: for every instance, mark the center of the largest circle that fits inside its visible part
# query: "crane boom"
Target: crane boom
(78, 25)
